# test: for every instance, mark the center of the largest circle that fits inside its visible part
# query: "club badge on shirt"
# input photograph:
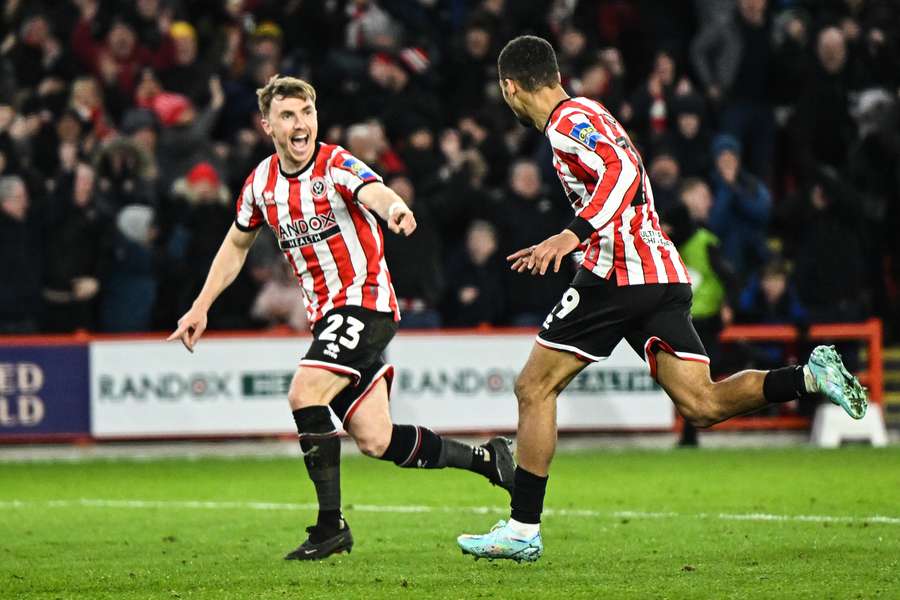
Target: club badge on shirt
(318, 187)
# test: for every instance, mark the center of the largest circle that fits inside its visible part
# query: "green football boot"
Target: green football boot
(836, 383)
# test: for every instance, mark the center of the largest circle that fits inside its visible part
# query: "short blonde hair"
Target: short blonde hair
(283, 87)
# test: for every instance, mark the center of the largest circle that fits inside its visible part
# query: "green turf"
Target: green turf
(77, 551)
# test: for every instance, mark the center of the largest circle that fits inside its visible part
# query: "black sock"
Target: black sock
(415, 447)
(784, 384)
(528, 497)
(322, 456)
(457, 455)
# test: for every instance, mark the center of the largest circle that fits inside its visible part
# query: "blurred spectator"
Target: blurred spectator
(188, 140)
(391, 94)
(650, 111)
(420, 156)
(463, 197)
(22, 250)
(665, 178)
(792, 59)
(125, 175)
(369, 27)
(827, 248)
(770, 297)
(367, 142)
(473, 64)
(73, 246)
(415, 263)
(86, 101)
(738, 79)
(116, 60)
(476, 132)
(187, 75)
(528, 217)
(128, 281)
(574, 54)
(475, 294)
(741, 207)
(38, 59)
(278, 302)
(689, 139)
(822, 127)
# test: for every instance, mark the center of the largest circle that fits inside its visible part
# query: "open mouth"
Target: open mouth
(299, 142)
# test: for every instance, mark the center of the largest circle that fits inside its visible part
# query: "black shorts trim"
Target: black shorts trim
(333, 367)
(655, 344)
(571, 349)
(349, 400)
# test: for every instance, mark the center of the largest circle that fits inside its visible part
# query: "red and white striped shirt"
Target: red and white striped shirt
(333, 242)
(605, 182)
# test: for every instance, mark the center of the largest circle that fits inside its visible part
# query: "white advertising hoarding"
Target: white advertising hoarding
(450, 382)
(227, 386)
(458, 382)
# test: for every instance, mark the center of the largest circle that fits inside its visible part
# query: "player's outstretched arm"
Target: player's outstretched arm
(225, 267)
(389, 206)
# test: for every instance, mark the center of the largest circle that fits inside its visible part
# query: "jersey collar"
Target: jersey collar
(309, 163)
(553, 113)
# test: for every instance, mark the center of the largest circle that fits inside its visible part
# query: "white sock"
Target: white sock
(526, 530)
(809, 381)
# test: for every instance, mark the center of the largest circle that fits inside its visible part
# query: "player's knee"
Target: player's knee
(373, 442)
(529, 390)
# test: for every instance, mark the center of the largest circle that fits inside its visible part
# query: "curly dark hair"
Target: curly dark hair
(530, 61)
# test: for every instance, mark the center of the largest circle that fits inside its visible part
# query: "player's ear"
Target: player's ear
(265, 125)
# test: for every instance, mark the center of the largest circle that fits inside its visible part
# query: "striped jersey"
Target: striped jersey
(604, 180)
(332, 242)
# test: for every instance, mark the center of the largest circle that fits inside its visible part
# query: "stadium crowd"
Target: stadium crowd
(769, 131)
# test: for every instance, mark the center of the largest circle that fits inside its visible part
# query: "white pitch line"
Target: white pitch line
(413, 508)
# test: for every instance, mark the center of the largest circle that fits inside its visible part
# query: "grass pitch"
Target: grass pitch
(797, 523)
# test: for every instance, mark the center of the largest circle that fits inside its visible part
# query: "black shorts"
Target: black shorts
(590, 321)
(350, 340)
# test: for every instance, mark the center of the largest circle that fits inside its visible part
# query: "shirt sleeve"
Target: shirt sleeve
(248, 215)
(609, 174)
(351, 174)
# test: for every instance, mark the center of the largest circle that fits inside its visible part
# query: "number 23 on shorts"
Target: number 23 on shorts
(566, 305)
(350, 339)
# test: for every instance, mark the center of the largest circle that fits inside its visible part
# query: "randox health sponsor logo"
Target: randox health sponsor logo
(168, 387)
(471, 381)
(466, 381)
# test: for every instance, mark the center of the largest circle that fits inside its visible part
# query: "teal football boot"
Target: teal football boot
(836, 383)
(502, 542)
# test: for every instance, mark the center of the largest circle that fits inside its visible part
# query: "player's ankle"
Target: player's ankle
(330, 521)
(526, 530)
(809, 380)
